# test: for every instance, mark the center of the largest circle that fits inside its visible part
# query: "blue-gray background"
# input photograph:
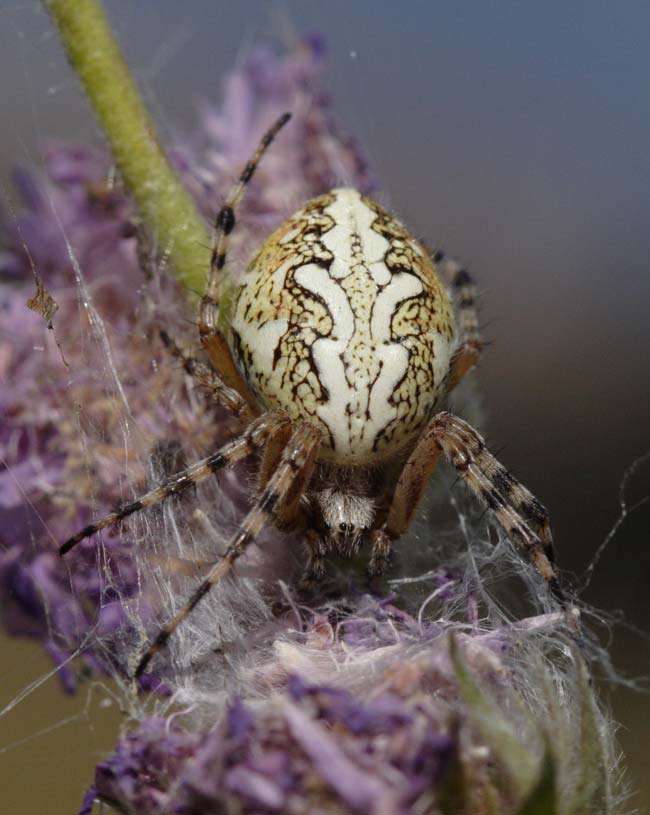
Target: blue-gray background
(518, 136)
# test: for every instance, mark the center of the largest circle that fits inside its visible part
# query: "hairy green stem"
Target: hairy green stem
(163, 203)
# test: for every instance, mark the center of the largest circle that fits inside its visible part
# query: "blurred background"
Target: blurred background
(517, 136)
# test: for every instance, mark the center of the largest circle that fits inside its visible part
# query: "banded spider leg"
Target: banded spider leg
(252, 439)
(281, 491)
(213, 341)
(464, 294)
(291, 476)
(521, 515)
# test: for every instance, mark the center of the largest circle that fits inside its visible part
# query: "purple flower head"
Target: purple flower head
(393, 733)
(429, 700)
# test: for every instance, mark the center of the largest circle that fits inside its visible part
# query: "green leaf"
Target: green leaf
(542, 798)
(592, 796)
(512, 756)
(453, 798)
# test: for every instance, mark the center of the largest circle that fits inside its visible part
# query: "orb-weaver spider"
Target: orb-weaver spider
(334, 352)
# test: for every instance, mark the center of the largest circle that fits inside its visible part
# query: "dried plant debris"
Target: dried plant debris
(43, 303)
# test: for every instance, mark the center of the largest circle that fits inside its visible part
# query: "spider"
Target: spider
(334, 352)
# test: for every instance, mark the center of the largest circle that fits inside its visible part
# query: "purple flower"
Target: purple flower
(422, 728)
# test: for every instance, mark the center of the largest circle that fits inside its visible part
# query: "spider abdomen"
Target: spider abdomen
(342, 320)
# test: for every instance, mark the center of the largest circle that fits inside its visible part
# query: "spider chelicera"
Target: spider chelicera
(335, 350)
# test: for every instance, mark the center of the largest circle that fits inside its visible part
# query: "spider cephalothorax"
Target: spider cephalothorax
(334, 351)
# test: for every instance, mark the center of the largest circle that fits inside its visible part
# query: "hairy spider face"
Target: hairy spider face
(342, 321)
(347, 518)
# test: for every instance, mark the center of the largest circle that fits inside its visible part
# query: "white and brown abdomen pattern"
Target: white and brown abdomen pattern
(341, 320)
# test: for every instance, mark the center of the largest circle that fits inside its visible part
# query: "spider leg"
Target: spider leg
(521, 500)
(213, 341)
(222, 393)
(294, 471)
(216, 347)
(380, 552)
(287, 515)
(272, 455)
(252, 439)
(471, 343)
(521, 515)
(315, 568)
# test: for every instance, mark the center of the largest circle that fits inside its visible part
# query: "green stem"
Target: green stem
(163, 203)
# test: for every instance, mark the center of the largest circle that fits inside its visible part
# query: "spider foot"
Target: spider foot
(381, 552)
